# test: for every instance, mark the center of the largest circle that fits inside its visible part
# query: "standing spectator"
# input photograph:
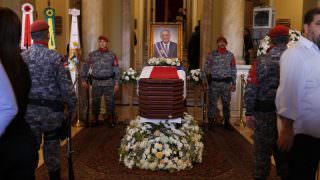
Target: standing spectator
(18, 155)
(248, 45)
(261, 113)
(221, 72)
(51, 88)
(298, 101)
(194, 49)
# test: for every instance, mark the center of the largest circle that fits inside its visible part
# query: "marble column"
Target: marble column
(126, 43)
(233, 26)
(92, 24)
(206, 30)
(126, 33)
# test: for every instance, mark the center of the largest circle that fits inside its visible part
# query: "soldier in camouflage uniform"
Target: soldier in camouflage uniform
(104, 68)
(51, 88)
(221, 72)
(260, 93)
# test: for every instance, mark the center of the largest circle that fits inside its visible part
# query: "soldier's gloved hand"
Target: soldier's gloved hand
(84, 84)
(116, 88)
(251, 122)
(233, 88)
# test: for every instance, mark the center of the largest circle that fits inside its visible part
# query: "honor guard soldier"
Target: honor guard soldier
(104, 69)
(51, 89)
(221, 72)
(260, 93)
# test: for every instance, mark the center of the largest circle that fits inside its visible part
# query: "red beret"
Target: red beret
(279, 30)
(103, 38)
(39, 25)
(221, 38)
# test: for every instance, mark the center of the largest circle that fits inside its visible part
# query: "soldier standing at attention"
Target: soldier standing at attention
(221, 72)
(51, 88)
(105, 72)
(260, 93)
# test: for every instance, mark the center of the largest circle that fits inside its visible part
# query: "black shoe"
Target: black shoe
(55, 175)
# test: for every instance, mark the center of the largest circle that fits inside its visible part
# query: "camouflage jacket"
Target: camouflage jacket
(263, 79)
(49, 77)
(221, 64)
(102, 64)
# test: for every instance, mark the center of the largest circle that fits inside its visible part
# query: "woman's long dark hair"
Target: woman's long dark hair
(16, 69)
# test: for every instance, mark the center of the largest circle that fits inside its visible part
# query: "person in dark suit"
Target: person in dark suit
(194, 49)
(165, 48)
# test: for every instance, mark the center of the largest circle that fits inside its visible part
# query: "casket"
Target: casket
(161, 98)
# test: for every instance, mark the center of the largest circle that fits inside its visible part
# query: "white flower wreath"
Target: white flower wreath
(166, 146)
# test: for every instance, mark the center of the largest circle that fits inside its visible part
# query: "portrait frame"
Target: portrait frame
(177, 37)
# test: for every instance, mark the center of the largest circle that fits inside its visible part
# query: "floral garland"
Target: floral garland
(129, 76)
(264, 45)
(194, 76)
(163, 62)
(166, 146)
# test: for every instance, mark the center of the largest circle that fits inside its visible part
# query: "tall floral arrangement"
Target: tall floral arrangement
(129, 76)
(194, 76)
(264, 45)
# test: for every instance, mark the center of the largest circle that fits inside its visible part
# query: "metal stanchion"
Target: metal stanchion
(78, 123)
(204, 101)
(243, 85)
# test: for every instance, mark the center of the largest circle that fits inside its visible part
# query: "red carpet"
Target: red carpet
(227, 156)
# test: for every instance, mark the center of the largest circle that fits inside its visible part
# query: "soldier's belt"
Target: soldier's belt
(265, 106)
(227, 79)
(103, 78)
(56, 106)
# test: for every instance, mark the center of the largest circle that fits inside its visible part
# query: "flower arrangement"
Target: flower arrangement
(165, 146)
(194, 76)
(129, 76)
(163, 62)
(294, 36)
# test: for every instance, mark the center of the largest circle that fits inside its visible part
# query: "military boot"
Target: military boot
(210, 123)
(55, 175)
(111, 122)
(227, 124)
(94, 121)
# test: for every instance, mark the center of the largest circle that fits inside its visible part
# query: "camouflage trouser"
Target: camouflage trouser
(97, 92)
(44, 121)
(265, 145)
(216, 90)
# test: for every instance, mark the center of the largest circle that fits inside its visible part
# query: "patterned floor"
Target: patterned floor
(227, 156)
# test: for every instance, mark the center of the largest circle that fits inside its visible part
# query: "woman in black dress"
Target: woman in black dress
(18, 156)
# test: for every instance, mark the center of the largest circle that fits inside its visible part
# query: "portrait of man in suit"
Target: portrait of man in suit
(165, 48)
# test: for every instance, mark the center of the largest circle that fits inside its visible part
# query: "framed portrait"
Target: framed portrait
(165, 40)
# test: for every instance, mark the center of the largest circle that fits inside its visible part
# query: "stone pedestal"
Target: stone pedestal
(128, 90)
(197, 97)
(233, 26)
